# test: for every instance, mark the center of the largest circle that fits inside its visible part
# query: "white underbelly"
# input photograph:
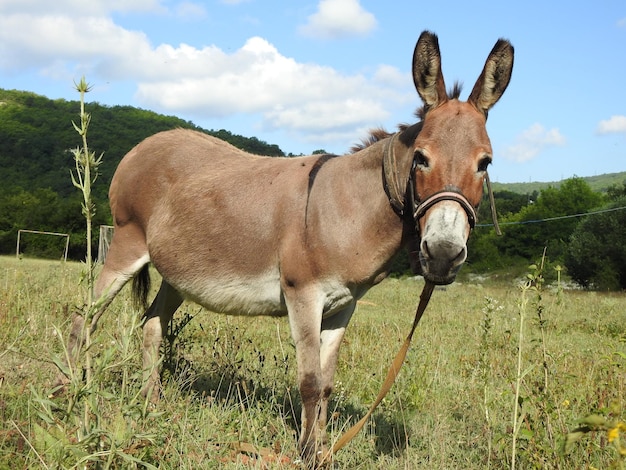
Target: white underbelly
(260, 295)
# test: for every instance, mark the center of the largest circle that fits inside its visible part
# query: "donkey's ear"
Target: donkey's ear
(427, 74)
(494, 78)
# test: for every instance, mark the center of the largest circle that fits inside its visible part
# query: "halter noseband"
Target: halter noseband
(455, 196)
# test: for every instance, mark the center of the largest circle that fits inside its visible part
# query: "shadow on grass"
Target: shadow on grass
(233, 385)
(234, 371)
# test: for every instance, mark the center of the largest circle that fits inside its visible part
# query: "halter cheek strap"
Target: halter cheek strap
(395, 181)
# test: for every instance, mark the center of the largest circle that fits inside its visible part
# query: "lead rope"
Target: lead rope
(392, 374)
(492, 204)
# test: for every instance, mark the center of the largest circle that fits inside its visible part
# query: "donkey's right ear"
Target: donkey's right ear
(494, 78)
(427, 74)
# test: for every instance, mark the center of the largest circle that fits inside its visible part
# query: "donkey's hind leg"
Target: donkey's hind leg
(157, 318)
(121, 265)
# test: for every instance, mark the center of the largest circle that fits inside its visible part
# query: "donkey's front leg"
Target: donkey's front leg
(305, 318)
(333, 329)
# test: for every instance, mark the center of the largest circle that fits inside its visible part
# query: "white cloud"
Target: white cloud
(305, 99)
(258, 79)
(615, 125)
(531, 142)
(320, 116)
(339, 18)
(59, 40)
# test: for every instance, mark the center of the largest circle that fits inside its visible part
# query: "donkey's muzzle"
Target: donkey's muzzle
(447, 225)
(441, 263)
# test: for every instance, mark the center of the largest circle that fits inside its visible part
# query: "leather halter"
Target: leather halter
(404, 198)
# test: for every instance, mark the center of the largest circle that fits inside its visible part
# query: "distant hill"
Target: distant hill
(36, 134)
(598, 183)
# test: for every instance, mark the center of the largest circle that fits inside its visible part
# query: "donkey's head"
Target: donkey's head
(451, 154)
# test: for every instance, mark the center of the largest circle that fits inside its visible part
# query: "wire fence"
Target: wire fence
(549, 219)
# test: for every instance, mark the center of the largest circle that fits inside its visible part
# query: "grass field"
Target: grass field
(480, 349)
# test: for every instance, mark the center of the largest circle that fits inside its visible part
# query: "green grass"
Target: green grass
(232, 380)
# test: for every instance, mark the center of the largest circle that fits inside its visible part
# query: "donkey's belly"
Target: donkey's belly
(260, 295)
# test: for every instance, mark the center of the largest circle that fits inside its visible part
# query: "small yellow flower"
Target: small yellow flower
(565, 403)
(613, 433)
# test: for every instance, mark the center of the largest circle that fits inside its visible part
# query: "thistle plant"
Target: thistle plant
(86, 165)
(96, 436)
(86, 173)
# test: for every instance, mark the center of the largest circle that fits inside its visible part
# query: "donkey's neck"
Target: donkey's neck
(349, 208)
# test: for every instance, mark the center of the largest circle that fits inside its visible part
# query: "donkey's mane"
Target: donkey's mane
(409, 131)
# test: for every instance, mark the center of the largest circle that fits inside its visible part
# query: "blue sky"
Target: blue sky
(310, 75)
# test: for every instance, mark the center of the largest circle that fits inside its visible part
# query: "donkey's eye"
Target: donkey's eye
(420, 159)
(483, 164)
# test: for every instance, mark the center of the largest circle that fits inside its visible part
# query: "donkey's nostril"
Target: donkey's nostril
(460, 258)
(444, 252)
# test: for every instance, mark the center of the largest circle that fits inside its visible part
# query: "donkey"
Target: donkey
(303, 237)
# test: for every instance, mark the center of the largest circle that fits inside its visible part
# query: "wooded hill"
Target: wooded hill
(599, 183)
(36, 134)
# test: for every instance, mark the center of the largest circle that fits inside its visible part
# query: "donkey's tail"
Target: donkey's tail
(141, 287)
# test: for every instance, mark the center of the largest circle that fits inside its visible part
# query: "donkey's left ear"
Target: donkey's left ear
(494, 78)
(427, 74)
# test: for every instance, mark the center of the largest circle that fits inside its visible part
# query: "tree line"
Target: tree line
(580, 229)
(36, 193)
